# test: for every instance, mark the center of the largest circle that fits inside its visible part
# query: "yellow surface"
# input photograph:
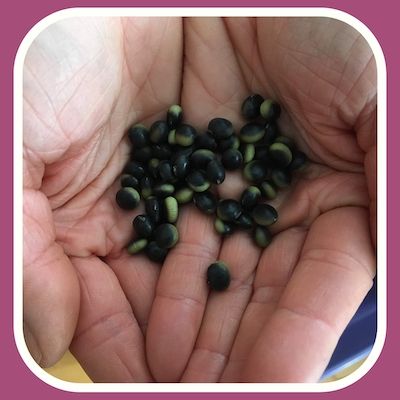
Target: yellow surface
(68, 369)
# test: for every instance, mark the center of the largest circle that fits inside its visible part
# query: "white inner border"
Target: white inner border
(18, 201)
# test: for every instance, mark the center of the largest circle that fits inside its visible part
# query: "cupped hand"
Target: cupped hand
(127, 319)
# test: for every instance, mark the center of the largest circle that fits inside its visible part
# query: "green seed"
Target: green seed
(250, 197)
(228, 210)
(248, 152)
(171, 137)
(270, 110)
(184, 195)
(218, 276)
(262, 236)
(220, 128)
(287, 141)
(252, 132)
(281, 178)
(171, 209)
(201, 157)
(185, 135)
(222, 227)
(174, 116)
(255, 171)
(138, 135)
(205, 201)
(156, 253)
(129, 180)
(127, 198)
(143, 226)
(159, 132)
(136, 245)
(166, 236)
(215, 172)
(268, 190)
(197, 181)
(264, 214)
(251, 106)
(163, 190)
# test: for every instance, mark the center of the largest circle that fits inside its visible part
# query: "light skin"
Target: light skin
(127, 319)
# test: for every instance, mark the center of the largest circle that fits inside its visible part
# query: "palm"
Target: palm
(289, 292)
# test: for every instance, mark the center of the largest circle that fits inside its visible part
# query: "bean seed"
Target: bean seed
(171, 209)
(153, 209)
(250, 197)
(299, 161)
(156, 253)
(280, 154)
(205, 201)
(171, 137)
(159, 132)
(252, 132)
(255, 171)
(185, 135)
(215, 172)
(222, 227)
(143, 226)
(135, 169)
(248, 152)
(184, 195)
(165, 171)
(264, 214)
(206, 141)
(146, 186)
(127, 198)
(228, 210)
(138, 135)
(166, 236)
(251, 106)
(201, 157)
(163, 190)
(136, 246)
(262, 236)
(232, 142)
(232, 159)
(174, 116)
(244, 221)
(162, 151)
(270, 110)
(220, 128)
(281, 178)
(143, 154)
(197, 181)
(130, 181)
(181, 166)
(218, 276)
(268, 190)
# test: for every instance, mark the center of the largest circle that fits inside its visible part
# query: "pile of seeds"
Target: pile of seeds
(171, 165)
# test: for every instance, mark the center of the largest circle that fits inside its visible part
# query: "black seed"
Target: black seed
(163, 190)
(138, 135)
(153, 167)
(271, 132)
(299, 161)
(222, 227)
(229, 210)
(135, 169)
(130, 181)
(268, 190)
(262, 236)
(250, 197)
(142, 155)
(218, 276)
(248, 152)
(156, 253)
(143, 226)
(205, 141)
(127, 198)
(280, 154)
(181, 166)
(159, 132)
(184, 195)
(205, 201)
(244, 221)
(146, 186)
(252, 132)
(287, 141)
(264, 214)
(281, 178)
(270, 110)
(165, 171)
(171, 137)
(215, 172)
(153, 209)
(232, 142)
(262, 153)
(220, 128)
(251, 106)
(197, 181)
(166, 236)
(136, 246)
(255, 171)
(174, 116)
(162, 151)
(185, 135)
(182, 151)
(171, 209)
(201, 157)
(232, 159)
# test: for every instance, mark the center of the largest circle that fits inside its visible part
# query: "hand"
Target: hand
(128, 319)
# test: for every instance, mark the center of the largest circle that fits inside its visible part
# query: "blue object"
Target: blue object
(358, 338)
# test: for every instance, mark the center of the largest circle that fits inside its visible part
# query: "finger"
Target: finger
(108, 342)
(51, 289)
(333, 276)
(273, 272)
(181, 296)
(224, 311)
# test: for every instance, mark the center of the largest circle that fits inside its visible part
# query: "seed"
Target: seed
(232, 159)
(205, 141)
(262, 154)
(268, 190)
(162, 151)
(130, 181)
(222, 227)
(232, 142)
(165, 171)
(135, 169)
(143, 226)
(250, 197)
(153, 209)
(287, 141)
(156, 253)
(201, 157)
(136, 245)
(174, 116)
(127, 198)
(166, 236)
(271, 132)
(163, 190)
(228, 210)
(138, 135)
(171, 209)
(248, 152)
(255, 171)
(252, 132)
(270, 110)
(146, 186)
(215, 172)
(281, 154)
(185, 135)
(153, 167)
(244, 221)
(171, 137)
(206, 202)
(180, 151)
(220, 128)
(264, 214)
(251, 106)
(181, 166)
(197, 181)
(281, 178)
(218, 276)
(262, 236)
(299, 161)
(143, 154)
(184, 195)
(159, 132)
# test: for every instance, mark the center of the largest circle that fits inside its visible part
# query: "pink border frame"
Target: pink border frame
(19, 382)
